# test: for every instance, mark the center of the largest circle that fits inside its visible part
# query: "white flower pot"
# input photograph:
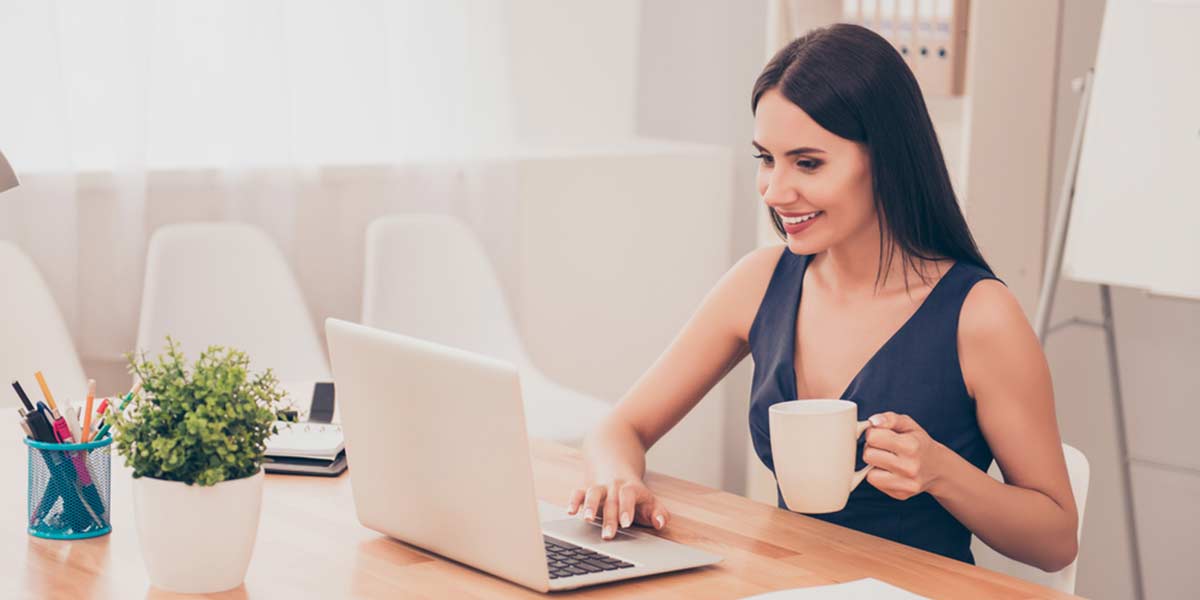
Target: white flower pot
(197, 539)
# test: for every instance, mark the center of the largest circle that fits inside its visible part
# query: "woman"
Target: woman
(900, 314)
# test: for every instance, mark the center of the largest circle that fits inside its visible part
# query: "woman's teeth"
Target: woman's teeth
(801, 219)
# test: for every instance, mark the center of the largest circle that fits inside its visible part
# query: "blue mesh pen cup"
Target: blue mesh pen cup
(69, 489)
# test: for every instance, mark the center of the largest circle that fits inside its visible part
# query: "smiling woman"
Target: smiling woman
(900, 169)
(901, 315)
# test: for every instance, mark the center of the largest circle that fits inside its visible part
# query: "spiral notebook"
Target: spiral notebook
(313, 446)
(306, 440)
(306, 449)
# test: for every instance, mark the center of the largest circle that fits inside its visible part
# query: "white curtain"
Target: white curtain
(306, 118)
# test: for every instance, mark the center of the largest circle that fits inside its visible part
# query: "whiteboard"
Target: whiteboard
(1136, 216)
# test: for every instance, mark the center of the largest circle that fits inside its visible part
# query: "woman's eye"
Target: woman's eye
(766, 159)
(808, 165)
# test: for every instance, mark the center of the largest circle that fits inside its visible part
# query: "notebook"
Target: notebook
(313, 446)
(862, 589)
(306, 440)
(306, 449)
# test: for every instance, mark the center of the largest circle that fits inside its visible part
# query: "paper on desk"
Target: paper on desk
(862, 589)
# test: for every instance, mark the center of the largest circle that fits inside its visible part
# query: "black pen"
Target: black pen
(29, 408)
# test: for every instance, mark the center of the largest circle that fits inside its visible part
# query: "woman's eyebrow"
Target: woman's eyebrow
(792, 152)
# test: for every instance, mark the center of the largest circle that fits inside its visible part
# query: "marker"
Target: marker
(42, 431)
(87, 412)
(104, 430)
(46, 390)
(99, 418)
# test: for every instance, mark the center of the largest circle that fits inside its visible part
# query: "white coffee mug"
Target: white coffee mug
(812, 443)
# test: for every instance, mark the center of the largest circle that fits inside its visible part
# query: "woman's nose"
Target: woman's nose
(778, 192)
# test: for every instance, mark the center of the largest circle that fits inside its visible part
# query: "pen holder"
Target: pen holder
(69, 486)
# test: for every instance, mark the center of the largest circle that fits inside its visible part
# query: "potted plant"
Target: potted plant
(195, 440)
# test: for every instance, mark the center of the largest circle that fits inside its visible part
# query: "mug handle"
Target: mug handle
(860, 474)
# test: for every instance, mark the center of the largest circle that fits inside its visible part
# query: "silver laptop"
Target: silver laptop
(436, 441)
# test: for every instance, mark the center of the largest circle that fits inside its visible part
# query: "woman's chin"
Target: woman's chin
(801, 246)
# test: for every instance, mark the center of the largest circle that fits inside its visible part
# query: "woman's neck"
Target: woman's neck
(852, 267)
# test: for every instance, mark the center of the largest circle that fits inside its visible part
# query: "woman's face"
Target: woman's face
(818, 183)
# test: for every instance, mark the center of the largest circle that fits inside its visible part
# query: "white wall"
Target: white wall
(695, 74)
(574, 65)
(1158, 345)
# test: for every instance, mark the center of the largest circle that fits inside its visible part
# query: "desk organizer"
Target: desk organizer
(69, 489)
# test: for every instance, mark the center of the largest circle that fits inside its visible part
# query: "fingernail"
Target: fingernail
(625, 520)
(659, 519)
(608, 532)
(587, 514)
(876, 420)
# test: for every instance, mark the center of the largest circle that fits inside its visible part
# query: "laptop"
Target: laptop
(436, 438)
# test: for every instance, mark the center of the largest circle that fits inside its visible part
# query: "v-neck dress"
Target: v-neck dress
(916, 372)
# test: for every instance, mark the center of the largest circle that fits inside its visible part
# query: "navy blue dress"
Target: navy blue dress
(916, 372)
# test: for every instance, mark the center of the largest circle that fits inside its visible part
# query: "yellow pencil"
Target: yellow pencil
(46, 391)
(87, 412)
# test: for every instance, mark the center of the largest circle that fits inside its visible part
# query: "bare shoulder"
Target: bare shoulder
(997, 346)
(991, 311)
(742, 288)
(758, 264)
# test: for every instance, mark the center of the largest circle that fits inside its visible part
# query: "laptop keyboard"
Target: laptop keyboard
(568, 560)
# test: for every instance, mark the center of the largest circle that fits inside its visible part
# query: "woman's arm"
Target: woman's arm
(711, 343)
(1031, 517)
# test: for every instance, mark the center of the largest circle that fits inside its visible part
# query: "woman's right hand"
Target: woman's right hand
(619, 503)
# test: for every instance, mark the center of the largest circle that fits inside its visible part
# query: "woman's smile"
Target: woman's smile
(794, 223)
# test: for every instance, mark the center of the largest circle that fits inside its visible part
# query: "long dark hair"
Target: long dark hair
(853, 83)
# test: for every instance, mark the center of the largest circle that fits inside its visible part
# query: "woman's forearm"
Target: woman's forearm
(1020, 523)
(613, 451)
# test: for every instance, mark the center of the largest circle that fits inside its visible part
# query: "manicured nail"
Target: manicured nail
(659, 520)
(876, 420)
(608, 532)
(625, 520)
(587, 514)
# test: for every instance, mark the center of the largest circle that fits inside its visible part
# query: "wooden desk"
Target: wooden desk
(311, 546)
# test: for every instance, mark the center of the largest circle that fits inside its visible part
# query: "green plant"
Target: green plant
(200, 426)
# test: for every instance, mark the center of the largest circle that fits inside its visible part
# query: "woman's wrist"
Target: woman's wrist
(946, 471)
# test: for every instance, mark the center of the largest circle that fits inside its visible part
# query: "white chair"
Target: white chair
(1079, 473)
(228, 284)
(427, 276)
(35, 335)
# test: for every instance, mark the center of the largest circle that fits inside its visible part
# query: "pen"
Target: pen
(87, 412)
(71, 416)
(46, 391)
(21, 394)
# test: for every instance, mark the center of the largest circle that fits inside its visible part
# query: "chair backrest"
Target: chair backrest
(228, 284)
(1079, 473)
(34, 333)
(427, 276)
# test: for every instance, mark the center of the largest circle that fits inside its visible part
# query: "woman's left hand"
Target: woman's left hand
(907, 461)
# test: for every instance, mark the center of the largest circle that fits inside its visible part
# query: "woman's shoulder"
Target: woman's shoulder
(989, 308)
(746, 282)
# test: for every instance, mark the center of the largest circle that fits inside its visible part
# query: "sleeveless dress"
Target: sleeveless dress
(916, 372)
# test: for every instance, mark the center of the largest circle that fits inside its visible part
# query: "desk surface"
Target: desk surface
(310, 545)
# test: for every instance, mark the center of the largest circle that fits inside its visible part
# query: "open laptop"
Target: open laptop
(436, 439)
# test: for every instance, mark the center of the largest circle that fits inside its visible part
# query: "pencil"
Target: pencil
(46, 391)
(87, 412)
